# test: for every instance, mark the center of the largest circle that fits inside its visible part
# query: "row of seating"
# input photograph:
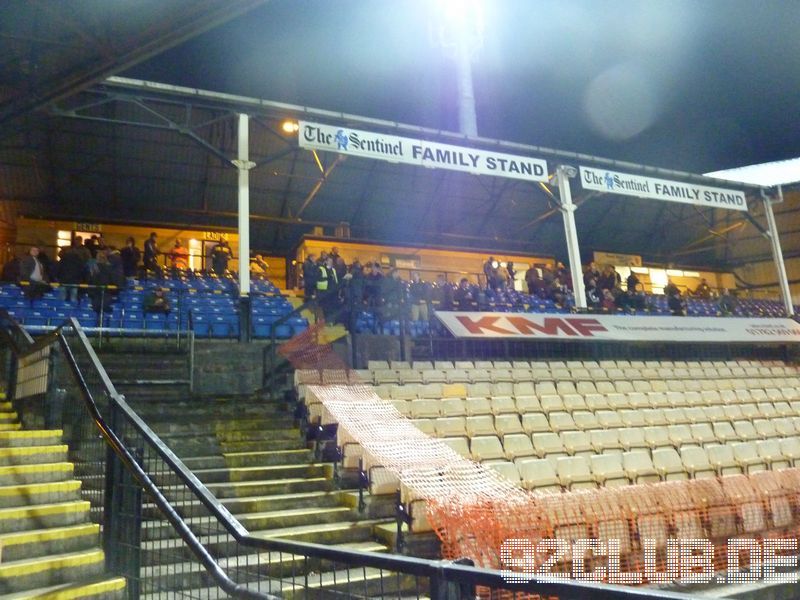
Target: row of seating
(623, 394)
(569, 364)
(640, 466)
(538, 437)
(629, 409)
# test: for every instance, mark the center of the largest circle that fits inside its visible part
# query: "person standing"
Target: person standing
(419, 297)
(220, 256)
(34, 274)
(151, 253)
(130, 256)
(310, 276)
(71, 271)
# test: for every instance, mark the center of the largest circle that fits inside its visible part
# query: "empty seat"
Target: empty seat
(505, 424)
(486, 448)
(638, 400)
(573, 402)
(574, 472)
(524, 388)
(566, 387)
(442, 365)
(503, 405)
(656, 436)
(585, 420)
(526, 404)
(478, 406)
(632, 439)
(502, 389)
(654, 416)
(426, 426)
(596, 402)
(458, 376)
(480, 425)
(745, 430)
(535, 423)
(432, 391)
(747, 457)
(452, 407)
(605, 441)
(538, 474)
(453, 390)
(790, 449)
(385, 376)
(609, 419)
(668, 464)
(576, 442)
(695, 461)
(770, 451)
(784, 427)
(766, 410)
(459, 445)
(632, 418)
(409, 376)
(518, 445)
(424, 408)
(561, 421)
(586, 387)
(507, 470)
(403, 392)
(548, 444)
(608, 471)
(638, 466)
(724, 432)
(551, 403)
(451, 427)
(702, 433)
(722, 459)
(680, 435)
(479, 390)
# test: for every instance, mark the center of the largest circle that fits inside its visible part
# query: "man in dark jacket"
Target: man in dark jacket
(71, 272)
(310, 273)
(34, 275)
(130, 256)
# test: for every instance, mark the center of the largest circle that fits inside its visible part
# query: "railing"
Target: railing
(166, 532)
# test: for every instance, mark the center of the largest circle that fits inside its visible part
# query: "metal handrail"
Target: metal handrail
(435, 570)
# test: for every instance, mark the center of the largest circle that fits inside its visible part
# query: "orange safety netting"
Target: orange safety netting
(475, 511)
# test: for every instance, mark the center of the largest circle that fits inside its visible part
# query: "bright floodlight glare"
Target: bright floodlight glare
(290, 126)
(461, 19)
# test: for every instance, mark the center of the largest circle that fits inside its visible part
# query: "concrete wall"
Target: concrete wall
(224, 367)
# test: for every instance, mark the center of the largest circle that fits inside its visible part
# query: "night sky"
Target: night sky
(694, 85)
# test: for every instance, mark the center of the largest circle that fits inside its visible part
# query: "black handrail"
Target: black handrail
(435, 570)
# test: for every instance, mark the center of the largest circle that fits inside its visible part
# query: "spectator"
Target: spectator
(703, 291)
(372, 285)
(310, 276)
(593, 300)
(130, 256)
(34, 274)
(392, 294)
(632, 282)
(101, 278)
(609, 305)
(328, 289)
(674, 300)
(179, 257)
(442, 294)
(92, 245)
(512, 274)
(637, 299)
(151, 253)
(564, 276)
(419, 297)
(338, 263)
(221, 254)
(592, 272)
(117, 270)
(726, 303)
(609, 278)
(558, 293)
(533, 280)
(71, 271)
(156, 302)
(258, 265)
(464, 298)
(353, 291)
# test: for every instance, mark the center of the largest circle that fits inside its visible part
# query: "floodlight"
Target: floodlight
(289, 126)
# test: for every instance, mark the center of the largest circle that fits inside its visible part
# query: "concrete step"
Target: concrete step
(41, 542)
(30, 437)
(111, 588)
(249, 459)
(26, 574)
(341, 532)
(36, 473)
(8, 416)
(59, 514)
(262, 473)
(160, 529)
(423, 545)
(259, 567)
(28, 455)
(292, 485)
(265, 435)
(39, 493)
(10, 426)
(220, 426)
(256, 446)
(254, 504)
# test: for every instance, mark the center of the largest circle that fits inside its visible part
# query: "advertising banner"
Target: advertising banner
(366, 144)
(618, 327)
(626, 184)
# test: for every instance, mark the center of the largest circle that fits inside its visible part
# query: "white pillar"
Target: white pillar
(244, 165)
(777, 253)
(467, 118)
(571, 234)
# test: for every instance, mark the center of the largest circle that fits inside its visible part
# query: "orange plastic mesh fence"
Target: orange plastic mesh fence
(475, 511)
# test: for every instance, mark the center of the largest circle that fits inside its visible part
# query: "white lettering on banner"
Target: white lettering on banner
(392, 148)
(618, 328)
(627, 184)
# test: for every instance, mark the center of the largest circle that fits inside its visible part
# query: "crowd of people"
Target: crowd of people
(342, 289)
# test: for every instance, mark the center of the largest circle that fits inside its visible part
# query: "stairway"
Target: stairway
(251, 455)
(49, 548)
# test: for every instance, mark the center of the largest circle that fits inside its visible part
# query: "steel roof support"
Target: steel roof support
(563, 173)
(244, 165)
(777, 252)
